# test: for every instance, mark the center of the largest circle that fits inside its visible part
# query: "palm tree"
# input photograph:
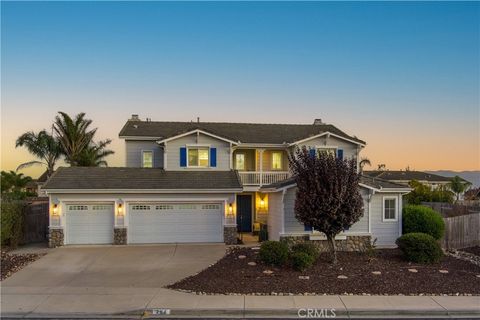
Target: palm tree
(458, 186)
(364, 162)
(42, 145)
(74, 135)
(13, 182)
(94, 154)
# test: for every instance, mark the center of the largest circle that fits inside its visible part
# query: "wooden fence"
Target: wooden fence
(462, 231)
(35, 226)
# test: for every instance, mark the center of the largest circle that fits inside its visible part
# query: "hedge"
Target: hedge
(12, 222)
(423, 219)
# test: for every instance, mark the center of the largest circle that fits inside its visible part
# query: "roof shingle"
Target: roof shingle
(83, 178)
(266, 133)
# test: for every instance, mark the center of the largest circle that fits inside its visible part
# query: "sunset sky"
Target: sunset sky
(405, 77)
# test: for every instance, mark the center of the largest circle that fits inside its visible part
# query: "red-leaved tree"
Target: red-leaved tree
(328, 197)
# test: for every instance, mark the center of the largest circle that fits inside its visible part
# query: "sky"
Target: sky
(404, 77)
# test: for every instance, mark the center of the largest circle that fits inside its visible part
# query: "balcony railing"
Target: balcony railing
(257, 178)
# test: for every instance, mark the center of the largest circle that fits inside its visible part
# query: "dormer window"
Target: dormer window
(147, 159)
(198, 157)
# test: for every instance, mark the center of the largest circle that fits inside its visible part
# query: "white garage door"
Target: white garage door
(89, 223)
(175, 222)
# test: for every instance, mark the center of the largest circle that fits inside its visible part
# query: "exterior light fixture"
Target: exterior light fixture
(230, 208)
(55, 209)
(262, 203)
(120, 209)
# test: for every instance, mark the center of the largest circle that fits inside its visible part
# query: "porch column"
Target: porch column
(261, 166)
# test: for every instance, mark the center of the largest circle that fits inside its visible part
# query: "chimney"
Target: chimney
(198, 119)
(317, 122)
(134, 117)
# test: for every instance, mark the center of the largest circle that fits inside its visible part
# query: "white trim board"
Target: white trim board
(197, 131)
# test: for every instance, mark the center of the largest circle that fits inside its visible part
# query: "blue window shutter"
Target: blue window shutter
(340, 154)
(213, 157)
(183, 157)
(306, 227)
(312, 153)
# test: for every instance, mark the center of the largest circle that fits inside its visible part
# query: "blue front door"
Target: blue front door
(244, 213)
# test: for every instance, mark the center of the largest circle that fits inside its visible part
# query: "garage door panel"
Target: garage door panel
(168, 223)
(89, 223)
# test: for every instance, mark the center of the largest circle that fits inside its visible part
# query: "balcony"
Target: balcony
(258, 178)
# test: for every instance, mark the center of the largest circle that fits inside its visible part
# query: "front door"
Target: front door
(244, 213)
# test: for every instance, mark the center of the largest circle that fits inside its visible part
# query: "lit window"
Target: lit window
(198, 157)
(147, 159)
(328, 151)
(277, 160)
(390, 209)
(240, 161)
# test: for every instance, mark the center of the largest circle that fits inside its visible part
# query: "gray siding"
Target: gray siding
(172, 151)
(275, 215)
(133, 152)
(292, 225)
(349, 149)
(385, 232)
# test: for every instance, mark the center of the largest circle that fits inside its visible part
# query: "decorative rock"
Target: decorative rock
(478, 275)
(268, 271)
(304, 277)
(376, 273)
(443, 271)
(342, 277)
(251, 263)
(241, 257)
(413, 270)
(255, 248)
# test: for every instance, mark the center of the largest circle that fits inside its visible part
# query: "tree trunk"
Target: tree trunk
(333, 250)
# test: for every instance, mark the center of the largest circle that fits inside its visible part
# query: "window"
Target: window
(210, 207)
(240, 161)
(164, 207)
(389, 209)
(101, 207)
(147, 159)
(187, 207)
(140, 207)
(198, 157)
(77, 207)
(277, 160)
(328, 150)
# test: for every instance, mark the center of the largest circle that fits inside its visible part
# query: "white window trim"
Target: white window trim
(327, 147)
(281, 160)
(153, 158)
(198, 146)
(396, 208)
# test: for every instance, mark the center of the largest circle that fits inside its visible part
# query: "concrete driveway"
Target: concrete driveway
(108, 279)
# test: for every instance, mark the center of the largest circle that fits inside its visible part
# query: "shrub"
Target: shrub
(301, 260)
(307, 248)
(274, 252)
(423, 219)
(11, 222)
(420, 247)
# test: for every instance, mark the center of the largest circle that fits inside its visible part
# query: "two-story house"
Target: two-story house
(205, 182)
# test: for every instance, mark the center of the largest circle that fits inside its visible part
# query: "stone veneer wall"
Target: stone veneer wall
(352, 243)
(120, 236)
(55, 237)
(230, 234)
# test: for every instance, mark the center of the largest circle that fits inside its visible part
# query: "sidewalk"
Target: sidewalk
(88, 302)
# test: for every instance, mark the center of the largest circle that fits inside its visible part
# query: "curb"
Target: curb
(255, 313)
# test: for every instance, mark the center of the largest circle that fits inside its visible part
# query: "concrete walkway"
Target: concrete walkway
(127, 282)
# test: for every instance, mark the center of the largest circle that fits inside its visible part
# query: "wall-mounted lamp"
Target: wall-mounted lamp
(230, 208)
(262, 203)
(55, 209)
(120, 209)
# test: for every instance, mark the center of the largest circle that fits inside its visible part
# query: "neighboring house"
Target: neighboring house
(405, 176)
(200, 182)
(35, 186)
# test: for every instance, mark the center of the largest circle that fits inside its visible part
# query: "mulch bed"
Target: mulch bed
(11, 263)
(473, 250)
(232, 275)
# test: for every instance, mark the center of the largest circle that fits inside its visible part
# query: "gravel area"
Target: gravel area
(355, 273)
(473, 250)
(11, 263)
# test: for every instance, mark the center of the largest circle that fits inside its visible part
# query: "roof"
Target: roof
(262, 133)
(374, 183)
(43, 177)
(110, 178)
(407, 175)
